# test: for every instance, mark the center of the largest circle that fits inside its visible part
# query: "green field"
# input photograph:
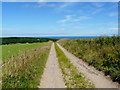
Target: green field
(15, 49)
(102, 53)
(24, 70)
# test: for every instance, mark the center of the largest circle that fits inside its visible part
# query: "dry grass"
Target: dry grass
(25, 70)
(103, 53)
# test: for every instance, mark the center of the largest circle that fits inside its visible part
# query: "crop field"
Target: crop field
(102, 53)
(15, 49)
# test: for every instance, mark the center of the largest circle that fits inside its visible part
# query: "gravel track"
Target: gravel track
(90, 72)
(52, 76)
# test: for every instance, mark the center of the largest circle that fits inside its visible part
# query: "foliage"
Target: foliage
(25, 70)
(10, 40)
(103, 53)
(72, 77)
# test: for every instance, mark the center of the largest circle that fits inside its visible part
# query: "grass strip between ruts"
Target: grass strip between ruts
(72, 77)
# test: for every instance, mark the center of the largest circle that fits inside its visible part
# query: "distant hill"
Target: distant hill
(10, 40)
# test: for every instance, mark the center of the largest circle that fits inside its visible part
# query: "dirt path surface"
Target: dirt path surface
(52, 76)
(89, 72)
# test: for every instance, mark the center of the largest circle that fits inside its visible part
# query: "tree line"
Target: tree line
(12, 40)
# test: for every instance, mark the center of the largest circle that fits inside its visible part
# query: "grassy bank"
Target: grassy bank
(25, 70)
(103, 53)
(15, 49)
(72, 77)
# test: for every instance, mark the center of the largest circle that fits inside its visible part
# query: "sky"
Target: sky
(35, 19)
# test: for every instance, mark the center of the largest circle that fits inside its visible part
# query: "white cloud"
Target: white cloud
(97, 11)
(71, 18)
(7, 29)
(114, 28)
(82, 18)
(40, 4)
(62, 29)
(66, 4)
(115, 5)
(113, 14)
(64, 7)
(98, 4)
(67, 18)
(41, 0)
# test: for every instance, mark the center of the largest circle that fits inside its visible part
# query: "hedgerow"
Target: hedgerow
(102, 53)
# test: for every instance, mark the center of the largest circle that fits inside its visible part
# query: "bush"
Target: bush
(103, 53)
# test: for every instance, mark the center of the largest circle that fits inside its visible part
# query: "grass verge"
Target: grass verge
(102, 53)
(72, 77)
(25, 70)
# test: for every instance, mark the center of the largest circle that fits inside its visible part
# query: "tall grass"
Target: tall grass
(103, 53)
(72, 77)
(25, 70)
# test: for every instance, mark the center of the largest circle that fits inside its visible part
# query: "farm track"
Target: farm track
(89, 72)
(52, 76)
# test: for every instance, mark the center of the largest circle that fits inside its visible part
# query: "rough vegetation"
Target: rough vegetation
(25, 70)
(103, 53)
(72, 77)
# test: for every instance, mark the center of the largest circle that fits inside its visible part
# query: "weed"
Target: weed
(25, 70)
(72, 77)
(103, 53)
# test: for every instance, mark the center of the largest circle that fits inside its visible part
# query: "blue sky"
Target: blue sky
(59, 18)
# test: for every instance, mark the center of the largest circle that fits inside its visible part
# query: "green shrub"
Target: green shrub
(103, 53)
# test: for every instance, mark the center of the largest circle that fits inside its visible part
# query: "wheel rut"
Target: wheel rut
(52, 76)
(95, 76)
